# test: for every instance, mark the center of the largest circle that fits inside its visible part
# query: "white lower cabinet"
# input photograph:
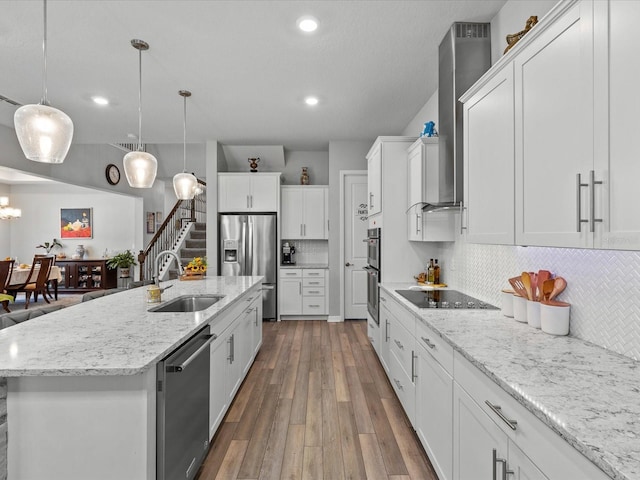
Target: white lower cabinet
(385, 336)
(434, 403)
(303, 291)
(373, 332)
(239, 336)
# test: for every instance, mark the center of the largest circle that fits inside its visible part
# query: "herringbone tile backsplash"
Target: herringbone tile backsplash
(603, 286)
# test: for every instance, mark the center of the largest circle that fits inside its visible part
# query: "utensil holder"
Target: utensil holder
(520, 309)
(554, 319)
(507, 304)
(533, 313)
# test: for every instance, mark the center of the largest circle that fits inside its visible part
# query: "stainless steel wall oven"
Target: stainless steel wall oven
(373, 270)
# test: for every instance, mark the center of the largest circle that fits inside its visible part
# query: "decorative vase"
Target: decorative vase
(304, 178)
(253, 164)
(79, 251)
(124, 272)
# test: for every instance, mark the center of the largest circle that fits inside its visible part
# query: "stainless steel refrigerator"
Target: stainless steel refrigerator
(248, 246)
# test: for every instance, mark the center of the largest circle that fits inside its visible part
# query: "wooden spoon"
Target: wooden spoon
(526, 281)
(516, 283)
(547, 288)
(559, 284)
(543, 275)
(533, 277)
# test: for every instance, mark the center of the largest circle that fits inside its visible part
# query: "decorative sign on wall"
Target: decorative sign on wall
(76, 223)
(362, 211)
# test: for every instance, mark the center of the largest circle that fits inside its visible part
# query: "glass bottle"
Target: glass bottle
(436, 272)
(430, 273)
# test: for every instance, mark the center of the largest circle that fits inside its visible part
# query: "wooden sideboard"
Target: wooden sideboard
(86, 275)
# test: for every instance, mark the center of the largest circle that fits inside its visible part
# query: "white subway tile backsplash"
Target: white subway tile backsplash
(603, 286)
(311, 251)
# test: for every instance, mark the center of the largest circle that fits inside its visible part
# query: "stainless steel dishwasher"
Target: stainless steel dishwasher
(183, 408)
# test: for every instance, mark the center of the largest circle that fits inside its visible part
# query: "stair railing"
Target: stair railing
(182, 214)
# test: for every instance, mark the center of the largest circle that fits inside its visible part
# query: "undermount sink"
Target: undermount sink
(188, 303)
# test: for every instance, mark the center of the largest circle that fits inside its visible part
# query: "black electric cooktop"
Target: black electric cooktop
(443, 299)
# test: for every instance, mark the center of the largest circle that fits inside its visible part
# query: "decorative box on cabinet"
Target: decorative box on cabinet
(248, 192)
(425, 226)
(86, 275)
(304, 212)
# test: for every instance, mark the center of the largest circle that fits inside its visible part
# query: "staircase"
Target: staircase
(195, 245)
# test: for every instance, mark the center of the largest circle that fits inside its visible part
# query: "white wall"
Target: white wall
(114, 220)
(316, 162)
(5, 225)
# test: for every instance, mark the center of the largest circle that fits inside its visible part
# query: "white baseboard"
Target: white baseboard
(334, 318)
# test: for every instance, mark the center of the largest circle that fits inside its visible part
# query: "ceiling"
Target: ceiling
(373, 65)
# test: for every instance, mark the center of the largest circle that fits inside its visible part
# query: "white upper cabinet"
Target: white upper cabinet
(304, 212)
(425, 227)
(489, 161)
(248, 192)
(554, 132)
(374, 179)
(617, 69)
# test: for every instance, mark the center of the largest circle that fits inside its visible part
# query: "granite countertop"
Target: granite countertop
(590, 396)
(114, 334)
(306, 265)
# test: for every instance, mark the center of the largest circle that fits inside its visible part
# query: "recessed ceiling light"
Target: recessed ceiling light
(311, 101)
(307, 24)
(100, 100)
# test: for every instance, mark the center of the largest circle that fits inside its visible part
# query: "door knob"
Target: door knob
(348, 264)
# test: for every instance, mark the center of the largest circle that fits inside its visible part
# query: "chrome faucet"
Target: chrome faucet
(156, 270)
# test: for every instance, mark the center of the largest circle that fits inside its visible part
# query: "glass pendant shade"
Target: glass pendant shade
(140, 168)
(44, 133)
(185, 185)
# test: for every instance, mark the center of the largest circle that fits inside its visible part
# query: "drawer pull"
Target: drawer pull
(249, 299)
(371, 339)
(428, 342)
(398, 384)
(313, 274)
(314, 306)
(382, 298)
(505, 471)
(314, 291)
(290, 273)
(400, 346)
(497, 409)
(414, 357)
(314, 283)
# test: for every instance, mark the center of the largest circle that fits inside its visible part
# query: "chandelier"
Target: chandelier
(7, 212)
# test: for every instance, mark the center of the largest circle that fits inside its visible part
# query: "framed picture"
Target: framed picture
(158, 220)
(76, 223)
(151, 222)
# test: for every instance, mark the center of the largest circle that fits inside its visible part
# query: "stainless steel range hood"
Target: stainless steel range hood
(465, 55)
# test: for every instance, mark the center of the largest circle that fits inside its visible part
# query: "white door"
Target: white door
(354, 231)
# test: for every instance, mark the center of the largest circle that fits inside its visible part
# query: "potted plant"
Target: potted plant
(50, 246)
(123, 261)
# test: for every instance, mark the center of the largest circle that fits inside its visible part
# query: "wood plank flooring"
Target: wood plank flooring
(316, 405)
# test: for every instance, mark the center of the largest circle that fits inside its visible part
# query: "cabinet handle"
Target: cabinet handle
(256, 309)
(497, 409)
(305, 229)
(503, 461)
(413, 366)
(301, 230)
(417, 223)
(314, 291)
(248, 201)
(371, 340)
(314, 306)
(386, 330)
(398, 384)
(300, 288)
(592, 216)
(231, 348)
(370, 200)
(462, 227)
(579, 185)
(383, 299)
(249, 299)
(428, 342)
(251, 201)
(400, 346)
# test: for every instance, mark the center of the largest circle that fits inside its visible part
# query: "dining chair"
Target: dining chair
(53, 262)
(6, 269)
(43, 266)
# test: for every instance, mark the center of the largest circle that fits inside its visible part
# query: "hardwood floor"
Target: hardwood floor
(316, 405)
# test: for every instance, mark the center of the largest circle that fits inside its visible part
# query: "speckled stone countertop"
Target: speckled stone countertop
(114, 334)
(587, 394)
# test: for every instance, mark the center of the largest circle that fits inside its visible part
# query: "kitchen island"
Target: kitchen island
(81, 382)
(586, 395)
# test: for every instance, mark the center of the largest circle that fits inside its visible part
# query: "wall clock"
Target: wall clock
(113, 174)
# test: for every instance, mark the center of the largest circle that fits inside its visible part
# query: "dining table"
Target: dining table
(20, 275)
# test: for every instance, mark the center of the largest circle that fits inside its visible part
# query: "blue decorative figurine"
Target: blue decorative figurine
(429, 130)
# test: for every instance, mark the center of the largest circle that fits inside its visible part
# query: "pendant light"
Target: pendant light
(44, 132)
(184, 183)
(140, 167)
